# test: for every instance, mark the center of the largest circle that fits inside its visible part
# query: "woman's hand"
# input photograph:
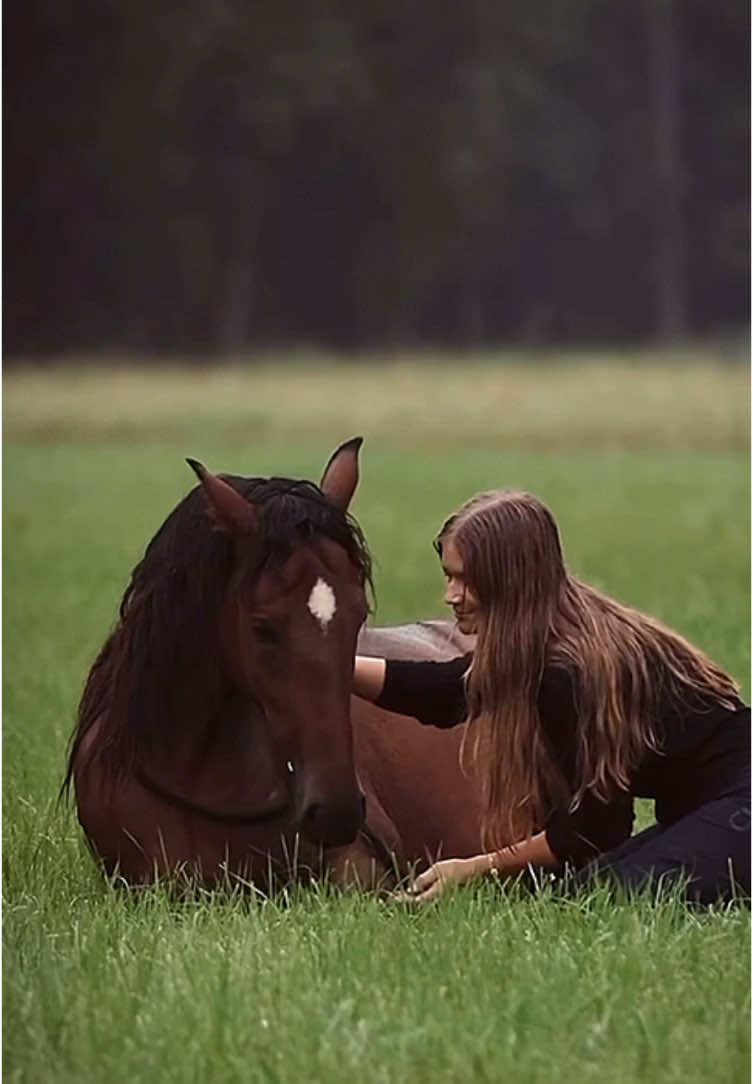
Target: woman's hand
(430, 884)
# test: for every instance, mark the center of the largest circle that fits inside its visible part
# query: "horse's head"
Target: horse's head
(295, 601)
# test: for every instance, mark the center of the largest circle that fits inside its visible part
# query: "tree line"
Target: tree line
(206, 177)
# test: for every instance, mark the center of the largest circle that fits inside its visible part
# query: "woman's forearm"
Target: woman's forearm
(368, 677)
(531, 852)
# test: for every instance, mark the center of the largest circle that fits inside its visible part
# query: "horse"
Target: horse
(217, 736)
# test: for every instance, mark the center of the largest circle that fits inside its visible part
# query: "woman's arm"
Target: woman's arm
(368, 677)
(531, 852)
(509, 861)
(608, 824)
(432, 692)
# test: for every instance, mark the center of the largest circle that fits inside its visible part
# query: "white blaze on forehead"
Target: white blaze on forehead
(322, 603)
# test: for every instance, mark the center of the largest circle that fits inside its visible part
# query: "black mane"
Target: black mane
(168, 612)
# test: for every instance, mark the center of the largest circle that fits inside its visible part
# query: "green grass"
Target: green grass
(105, 986)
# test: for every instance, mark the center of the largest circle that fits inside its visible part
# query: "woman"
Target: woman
(576, 705)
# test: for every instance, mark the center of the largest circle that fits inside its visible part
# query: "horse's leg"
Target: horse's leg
(374, 860)
(357, 866)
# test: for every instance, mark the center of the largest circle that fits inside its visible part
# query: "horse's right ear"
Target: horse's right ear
(340, 476)
(232, 510)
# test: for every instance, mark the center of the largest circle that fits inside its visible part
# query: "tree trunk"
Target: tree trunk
(669, 228)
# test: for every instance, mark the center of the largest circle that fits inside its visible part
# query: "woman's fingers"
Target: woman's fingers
(425, 887)
(409, 896)
(424, 881)
(430, 893)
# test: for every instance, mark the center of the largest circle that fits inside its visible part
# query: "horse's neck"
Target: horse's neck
(205, 722)
(219, 760)
(194, 703)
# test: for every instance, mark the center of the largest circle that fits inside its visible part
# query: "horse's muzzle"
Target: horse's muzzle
(334, 823)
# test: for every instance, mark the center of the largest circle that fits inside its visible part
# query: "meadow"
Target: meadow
(644, 460)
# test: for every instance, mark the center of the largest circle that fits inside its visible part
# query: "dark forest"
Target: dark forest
(206, 178)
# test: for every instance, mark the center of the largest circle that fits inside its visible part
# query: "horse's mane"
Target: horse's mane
(168, 613)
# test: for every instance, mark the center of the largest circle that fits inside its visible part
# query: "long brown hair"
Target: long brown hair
(532, 614)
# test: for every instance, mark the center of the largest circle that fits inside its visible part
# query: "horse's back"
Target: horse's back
(432, 639)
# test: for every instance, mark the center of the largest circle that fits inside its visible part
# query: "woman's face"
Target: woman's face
(458, 594)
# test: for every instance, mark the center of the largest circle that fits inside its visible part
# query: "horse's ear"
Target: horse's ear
(340, 476)
(232, 510)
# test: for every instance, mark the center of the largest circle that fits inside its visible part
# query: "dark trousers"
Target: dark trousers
(708, 848)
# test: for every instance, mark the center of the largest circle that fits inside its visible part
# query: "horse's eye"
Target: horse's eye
(265, 632)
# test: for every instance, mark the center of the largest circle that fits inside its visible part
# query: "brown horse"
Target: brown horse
(216, 731)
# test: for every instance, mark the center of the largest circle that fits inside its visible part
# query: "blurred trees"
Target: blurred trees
(207, 175)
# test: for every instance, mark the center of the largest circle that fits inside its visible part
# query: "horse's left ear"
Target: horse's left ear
(340, 476)
(232, 510)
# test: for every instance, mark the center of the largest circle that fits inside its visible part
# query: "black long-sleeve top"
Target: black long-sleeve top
(704, 752)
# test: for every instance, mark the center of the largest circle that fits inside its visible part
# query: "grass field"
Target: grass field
(644, 461)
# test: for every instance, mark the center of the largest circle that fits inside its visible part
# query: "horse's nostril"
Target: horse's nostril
(363, 807)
